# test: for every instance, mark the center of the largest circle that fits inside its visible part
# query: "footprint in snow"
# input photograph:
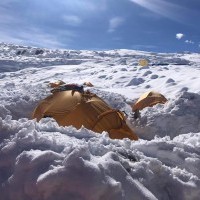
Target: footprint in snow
(147, 86)
(102, 76)
(170, 80)
(123, 69)
(166, 68)
(172, 84)
(109, 78)
(184, 89)
(136, 81)
(123, 77)
(154, 76)
(147, 73)
(142, 68)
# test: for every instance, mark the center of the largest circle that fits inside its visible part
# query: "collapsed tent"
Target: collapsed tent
(149, 99)
(67, 87)
(60, 83)
(88, 84)
(84, 109)
(56, 84)
(143, 63)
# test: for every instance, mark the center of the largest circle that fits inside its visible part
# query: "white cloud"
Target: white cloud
(179, 36)
(189, 42)
(6, 2)
(72, 20)
(84, 6)
(40, 39)
(164, 8)
(114, 23)
(9, 39)
(138, 46)
(48, 40)
(7, 17)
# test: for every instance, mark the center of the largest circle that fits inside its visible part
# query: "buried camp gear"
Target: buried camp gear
(84, 109)
(67, 87)
(148, 99)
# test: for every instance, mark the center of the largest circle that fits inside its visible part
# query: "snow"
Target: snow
(43, 161)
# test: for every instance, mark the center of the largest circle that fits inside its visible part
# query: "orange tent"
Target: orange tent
(56, 84)
(89, 84)
(143, 62)
(149, 99)
(84, 109)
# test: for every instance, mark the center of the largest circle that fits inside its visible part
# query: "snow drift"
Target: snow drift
(42, 161)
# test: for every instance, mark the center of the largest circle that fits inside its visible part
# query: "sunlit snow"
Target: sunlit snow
(42, 161)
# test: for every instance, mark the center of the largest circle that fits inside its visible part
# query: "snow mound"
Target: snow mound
(136, 81)
(15, 100)
(45, 161)
(178, 116)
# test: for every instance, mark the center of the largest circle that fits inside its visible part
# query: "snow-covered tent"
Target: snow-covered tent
(149, 99)
(143, 62)
(84, 109)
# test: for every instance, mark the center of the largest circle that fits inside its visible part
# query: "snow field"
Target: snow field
(42, 161)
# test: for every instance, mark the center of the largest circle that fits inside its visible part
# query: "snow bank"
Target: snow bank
(20, 100)
(45, 161)
(178, 116)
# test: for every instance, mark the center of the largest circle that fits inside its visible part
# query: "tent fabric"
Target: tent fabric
(88, 84)
(84, 109)
(149, 99)
(65, 87)
(143, 63)
(56, 84)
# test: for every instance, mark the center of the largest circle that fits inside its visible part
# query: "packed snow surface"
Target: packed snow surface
(43, 161)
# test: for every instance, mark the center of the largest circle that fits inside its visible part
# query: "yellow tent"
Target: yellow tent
(88, 84)
(143, 63)
(84, 109)
(149, 99)
(56, 84)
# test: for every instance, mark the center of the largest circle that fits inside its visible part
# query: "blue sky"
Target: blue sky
(149, 25)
